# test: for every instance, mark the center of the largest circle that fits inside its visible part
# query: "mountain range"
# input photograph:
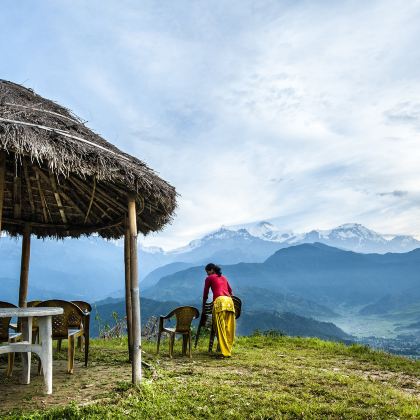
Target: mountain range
(349, 236)
(322, 277)
(92, 269)
(312, 275)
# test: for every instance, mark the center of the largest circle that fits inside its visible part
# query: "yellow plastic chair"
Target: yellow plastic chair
(184, 316)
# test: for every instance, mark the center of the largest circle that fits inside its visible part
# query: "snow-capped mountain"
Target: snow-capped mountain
(225, 245)
(222, 234)
(350, 236)
(265, 230)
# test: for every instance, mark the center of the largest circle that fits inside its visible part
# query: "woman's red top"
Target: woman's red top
(219, 286)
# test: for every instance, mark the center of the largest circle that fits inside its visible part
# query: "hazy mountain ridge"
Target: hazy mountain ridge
(91, 268)
(290, 324)
(316, 272)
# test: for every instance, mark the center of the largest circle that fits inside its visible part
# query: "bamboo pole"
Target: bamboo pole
(2, 182)
(135, 296)
(24, 266)
(128, 306)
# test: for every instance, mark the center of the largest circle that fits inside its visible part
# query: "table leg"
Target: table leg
(45, 336)
(26, 357)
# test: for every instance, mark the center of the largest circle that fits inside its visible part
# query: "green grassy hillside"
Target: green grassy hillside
(267, 377)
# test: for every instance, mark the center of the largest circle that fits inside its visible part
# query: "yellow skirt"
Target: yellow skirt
(224, 323)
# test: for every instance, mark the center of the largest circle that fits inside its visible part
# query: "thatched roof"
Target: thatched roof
(64, 179)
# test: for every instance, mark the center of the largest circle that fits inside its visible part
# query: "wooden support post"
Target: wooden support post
(24, 266)
(128, 306)
(135, 295)
(2, 182)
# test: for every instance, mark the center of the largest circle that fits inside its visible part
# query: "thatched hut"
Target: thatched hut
(58, 178)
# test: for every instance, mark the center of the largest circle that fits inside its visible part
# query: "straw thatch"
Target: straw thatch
(64, 179)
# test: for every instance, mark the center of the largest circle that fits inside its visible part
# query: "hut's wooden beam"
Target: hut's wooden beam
(28, 186)
(17, 194)
(69, 228)
(45, 210)
(72, 196)
(58, 199)
(2, 182)
(47, 179)
(91, 199)
(102, 196)
(135, 295)
(118, 194)
(128, 306)
(124, 194)
(83, 190)
(73, 204)
(24, 266)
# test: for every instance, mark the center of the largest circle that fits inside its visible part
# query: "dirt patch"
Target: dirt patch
(85, 386)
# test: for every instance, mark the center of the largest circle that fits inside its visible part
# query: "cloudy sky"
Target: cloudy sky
(306, 113)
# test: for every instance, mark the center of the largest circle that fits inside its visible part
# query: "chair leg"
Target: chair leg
(197, 335)
(184, 344)
(70, 354)
(10, 361)
(171, 345)
(211, 341)
(10, 364)
(39, 366)
(86, 349)
(79, 343)
(158, 342)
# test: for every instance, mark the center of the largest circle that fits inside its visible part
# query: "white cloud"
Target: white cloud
(304, 112)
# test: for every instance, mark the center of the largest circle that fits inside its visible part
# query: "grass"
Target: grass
(267, 377)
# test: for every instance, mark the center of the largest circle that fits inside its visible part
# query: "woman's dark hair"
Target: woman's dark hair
(215, 268)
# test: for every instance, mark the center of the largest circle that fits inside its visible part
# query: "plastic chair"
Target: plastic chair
(184, 316)
(67, 326)
(8, 337)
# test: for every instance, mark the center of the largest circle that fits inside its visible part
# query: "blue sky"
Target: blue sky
(306, 113)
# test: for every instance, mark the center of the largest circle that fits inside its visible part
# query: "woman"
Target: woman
(223, 308)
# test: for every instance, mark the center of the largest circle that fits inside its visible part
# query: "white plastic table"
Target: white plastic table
(43, 350)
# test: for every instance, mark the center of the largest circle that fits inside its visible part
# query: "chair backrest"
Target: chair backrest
(237, 303)
(4, 322)
(86, 309)
(84, 306)
(184, 316)
(71, 318)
